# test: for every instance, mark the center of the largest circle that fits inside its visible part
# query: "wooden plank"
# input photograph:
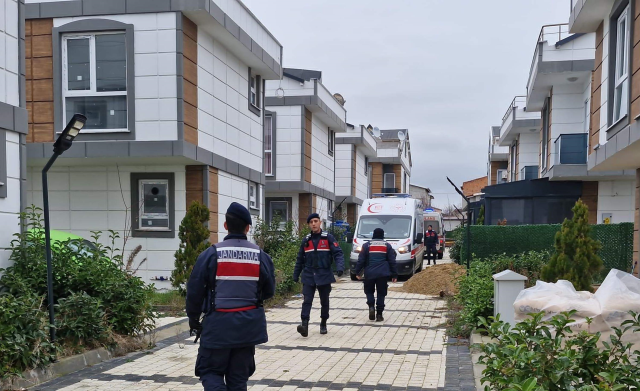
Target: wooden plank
(42, 68)
(190, 49)
(190, 71)
(41, 46)
(190, 93)
(189, 28)
(43, 133)
(190, 115)
(190, 134)
(42, 90)
(43, 112)
(41, 26)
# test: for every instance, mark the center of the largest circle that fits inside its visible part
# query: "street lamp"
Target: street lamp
(62, 144)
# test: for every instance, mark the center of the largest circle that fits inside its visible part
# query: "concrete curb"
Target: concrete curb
(477, 339)
(78, 362)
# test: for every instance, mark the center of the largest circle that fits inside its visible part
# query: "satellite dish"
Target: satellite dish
(280, 93)
(401, 136)
(376, 131)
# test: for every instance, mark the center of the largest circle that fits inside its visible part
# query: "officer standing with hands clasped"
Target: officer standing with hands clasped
(378, 259)
(229, 283)
(431, 241)
(317, 252)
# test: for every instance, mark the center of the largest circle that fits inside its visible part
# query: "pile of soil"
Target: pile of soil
(435, 280)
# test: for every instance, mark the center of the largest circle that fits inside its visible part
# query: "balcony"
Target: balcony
(571, 149)
(586, 15)
(529, 172)
(518, 120)
(560, 58)
(498, 153)
(361, 137)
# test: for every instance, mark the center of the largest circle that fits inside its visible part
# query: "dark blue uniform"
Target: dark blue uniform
(229, 283)
(317, 253)
(430, 242)
(378, 259)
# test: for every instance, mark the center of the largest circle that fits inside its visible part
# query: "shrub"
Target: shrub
(81, 320)
(98, 273)
(194, 236)
(480, 220)
(475, 297)
(455, 250)
(284, 261)
(272, 237)
(25, 335)
(576, 258)
(557, 358)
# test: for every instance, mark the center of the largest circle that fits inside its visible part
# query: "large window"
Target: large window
(94, 80)
(268, 145)
(279, 210)
(389, 181)
(621, 68)
(254, 93)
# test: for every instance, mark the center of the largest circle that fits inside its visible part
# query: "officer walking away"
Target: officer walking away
(430, 241)
(318, 251)
(228, 284)
(378, 259)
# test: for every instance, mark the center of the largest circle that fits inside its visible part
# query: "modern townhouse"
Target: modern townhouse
(614, 131)
(354, 149)
(301, 122)
(391, 168)
(421, 193)
(174, 96)
(13, 123)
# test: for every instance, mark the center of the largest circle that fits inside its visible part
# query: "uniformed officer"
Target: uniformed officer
(378, 259)
(430, 242)
(228, 284)
(317, 252)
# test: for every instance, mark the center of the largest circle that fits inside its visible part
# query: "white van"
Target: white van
(401, 217)
(435, 220)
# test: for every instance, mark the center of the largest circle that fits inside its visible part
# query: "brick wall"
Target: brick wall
(474, 186)
(39, 79)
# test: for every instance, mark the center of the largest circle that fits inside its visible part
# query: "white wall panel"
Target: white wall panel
(618, 199)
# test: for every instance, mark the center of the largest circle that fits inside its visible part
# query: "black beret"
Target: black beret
(378, 233)
(313, 216)
(240, 212)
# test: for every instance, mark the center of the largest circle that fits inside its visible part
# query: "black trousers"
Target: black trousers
(309, 291)
(431, 249)
(225, 369)
(371, 286)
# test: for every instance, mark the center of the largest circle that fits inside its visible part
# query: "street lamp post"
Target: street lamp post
(62, 144)
(468, 230)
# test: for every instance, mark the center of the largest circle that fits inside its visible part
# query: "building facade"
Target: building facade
(174, 96)
(13, 123)
(304, 118)
(391, 168)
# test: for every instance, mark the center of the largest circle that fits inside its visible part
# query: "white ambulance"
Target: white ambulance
(401, 217)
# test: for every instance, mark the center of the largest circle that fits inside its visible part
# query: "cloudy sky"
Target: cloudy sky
(444, 69)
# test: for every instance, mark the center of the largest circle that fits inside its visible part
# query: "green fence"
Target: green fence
(486, 241)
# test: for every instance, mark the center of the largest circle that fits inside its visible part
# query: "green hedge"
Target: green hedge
(487, 241)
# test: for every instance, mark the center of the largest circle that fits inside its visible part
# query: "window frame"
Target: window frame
(621, 81)
(271, 117)
(331, 142)
(384, 180)
(3, 164)
(92, 92)
(287, 202)
(544, 144)
(136, 204)
(257, 107)
(85, 26)
(622, 10)
(514, 169)
(499, 179)
(256, 197)
(587, 115)
(142, 215)
(366, 165)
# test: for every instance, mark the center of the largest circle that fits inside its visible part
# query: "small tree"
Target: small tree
(480, 220)
(194, 237)
(576, 258)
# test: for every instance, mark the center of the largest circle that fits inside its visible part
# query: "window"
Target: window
(253, 196)
(330, 209)
(154, 205)
(502, 176)
(621, 68)
(587, 116)
(514, 169)
(268, 145)
(94, 80)
(366, 165)
(254, 93)
(279, 210)
(331, 142)
(389, 182)
(544, 143)
(3, 164)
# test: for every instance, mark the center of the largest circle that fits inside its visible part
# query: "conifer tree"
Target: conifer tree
(576, 252)
(480, 220)
(194, 236)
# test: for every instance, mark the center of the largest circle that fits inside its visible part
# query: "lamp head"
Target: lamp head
(69, 133)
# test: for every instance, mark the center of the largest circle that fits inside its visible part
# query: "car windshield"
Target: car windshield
(395, 227)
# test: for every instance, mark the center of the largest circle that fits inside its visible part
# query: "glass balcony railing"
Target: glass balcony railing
(528, 173)
(571, 148)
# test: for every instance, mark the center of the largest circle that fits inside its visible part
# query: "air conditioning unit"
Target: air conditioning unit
(505, 175)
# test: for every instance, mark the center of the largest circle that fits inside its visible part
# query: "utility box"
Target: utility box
(507, 286)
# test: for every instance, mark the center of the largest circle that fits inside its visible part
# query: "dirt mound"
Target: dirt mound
(435, 280)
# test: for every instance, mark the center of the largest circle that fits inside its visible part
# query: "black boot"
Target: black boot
(303, 328)
(372, 313)
(379, 317)
(323, 326)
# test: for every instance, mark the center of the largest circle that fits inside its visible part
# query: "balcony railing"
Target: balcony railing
(528, 173)
(571, 148)
(390, 190)
(551, 33)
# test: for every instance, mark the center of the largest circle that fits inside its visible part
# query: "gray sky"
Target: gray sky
(445, 69)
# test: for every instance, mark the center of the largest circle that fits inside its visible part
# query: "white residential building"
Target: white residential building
(303, 118)
(174, 116)
(13, 123)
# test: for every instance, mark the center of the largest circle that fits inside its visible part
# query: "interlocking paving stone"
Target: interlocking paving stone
(408, 351)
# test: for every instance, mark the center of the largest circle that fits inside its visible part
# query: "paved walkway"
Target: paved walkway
(408, 351)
